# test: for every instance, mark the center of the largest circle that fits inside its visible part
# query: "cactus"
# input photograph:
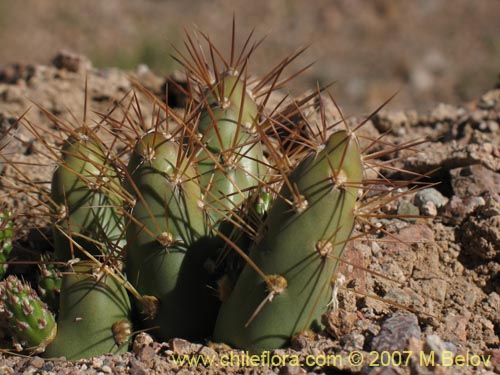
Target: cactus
(94, 314)
(269, 185)
(166, 255)
(85, 187)
(298, 253)
(49, 280)
(31, 323)
(6, 234)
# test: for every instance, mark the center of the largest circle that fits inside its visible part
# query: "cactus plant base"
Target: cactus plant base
(94, 309)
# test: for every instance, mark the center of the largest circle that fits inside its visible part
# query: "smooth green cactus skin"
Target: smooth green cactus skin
(230, 92)
(92, 304)
(166, 255)
(293, 250)
(232, 161)
(263, 202)
(85, 187)
(6, 234)
(30, 321)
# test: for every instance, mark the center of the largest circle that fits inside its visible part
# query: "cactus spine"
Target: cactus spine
(92, 307)
(32, 324)
(166, 256)
(85, 187)
(305, 233)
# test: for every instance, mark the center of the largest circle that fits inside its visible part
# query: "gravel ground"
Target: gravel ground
(437, 291)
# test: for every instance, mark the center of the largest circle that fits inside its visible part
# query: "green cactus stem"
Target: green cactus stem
(6, 234)
(231, 162)
(31, 324)
(254, 210)
(166, 254)
(94, 314)
(86, 189)
(49, 280)
(302, 239)
(263, 202)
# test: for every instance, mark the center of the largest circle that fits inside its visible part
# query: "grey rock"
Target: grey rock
(434, 344)
(430, 195)
(408, 209)
(353, 341)
(395, 333)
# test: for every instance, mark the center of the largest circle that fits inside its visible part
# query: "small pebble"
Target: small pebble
(434, 344)
(141, 340)
(97, 362)
(136, 368)
(408, 209)
(430, 195)
(354, 341)
(37, 362)
(178, 345)
(429, 209)
(106, 369)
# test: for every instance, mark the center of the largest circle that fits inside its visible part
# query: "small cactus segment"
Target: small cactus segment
(304, 235)
(263, 202)
(6, 234)
(166, 255)
(49, 280)
(231, 162)
(94, 315)
(31, 324)
(85, 189)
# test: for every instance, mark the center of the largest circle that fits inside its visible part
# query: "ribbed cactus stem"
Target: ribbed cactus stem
(166, 255)
(86, 189)
(31, 323)
(94, 314)
(232, 161)
(302, 240)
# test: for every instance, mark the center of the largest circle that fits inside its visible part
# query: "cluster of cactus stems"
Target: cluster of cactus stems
(227, 221)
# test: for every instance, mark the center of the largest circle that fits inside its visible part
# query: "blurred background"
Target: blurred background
(430, 50)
